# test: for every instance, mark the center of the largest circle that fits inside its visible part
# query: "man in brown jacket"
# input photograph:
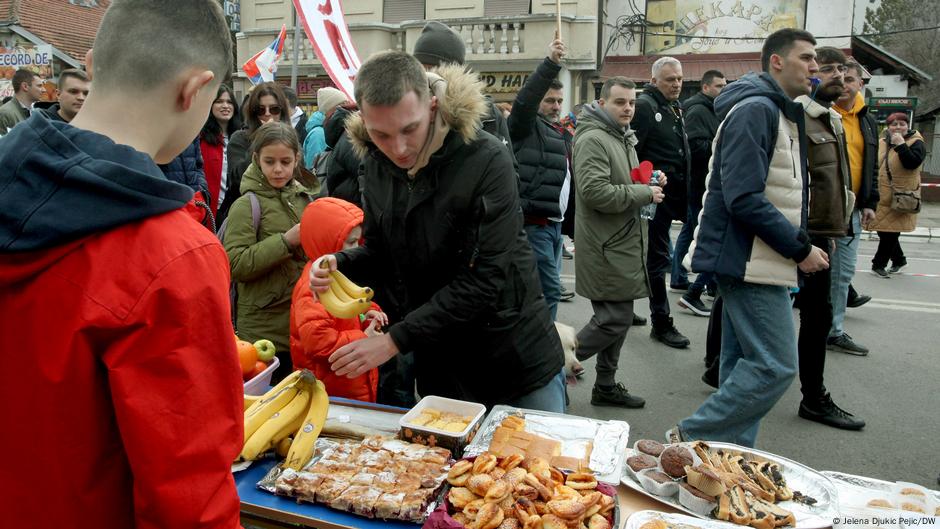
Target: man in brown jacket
(830, 204)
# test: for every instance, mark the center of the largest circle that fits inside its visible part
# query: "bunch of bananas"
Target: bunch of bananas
(287, 418)
(345, 299)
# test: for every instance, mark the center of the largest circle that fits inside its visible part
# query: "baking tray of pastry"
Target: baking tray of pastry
(802, 497)
(884, 504)
(661, 520)
(569, 442)
(377, 477)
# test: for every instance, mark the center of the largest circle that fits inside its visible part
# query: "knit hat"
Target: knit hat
(328, 98)
(902, 116)
(438, 44)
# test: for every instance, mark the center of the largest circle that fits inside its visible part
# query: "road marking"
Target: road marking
(907, 308)
(909, 258)
(906, 302)
(912, 274)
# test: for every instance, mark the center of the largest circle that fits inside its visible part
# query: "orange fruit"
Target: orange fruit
(255, 371)
(247, 356)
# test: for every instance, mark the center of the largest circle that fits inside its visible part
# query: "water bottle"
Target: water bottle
(649, 210)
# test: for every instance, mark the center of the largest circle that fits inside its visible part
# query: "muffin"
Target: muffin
(695, 492)
(659, 477)
(641, 462)
(674, 460)
(648, 446)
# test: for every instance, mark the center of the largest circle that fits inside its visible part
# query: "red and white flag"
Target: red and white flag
(262, 67)
(326, 29)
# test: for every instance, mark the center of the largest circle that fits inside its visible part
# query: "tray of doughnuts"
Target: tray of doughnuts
(731, 483)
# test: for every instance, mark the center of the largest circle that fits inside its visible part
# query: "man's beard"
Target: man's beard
(829, 93)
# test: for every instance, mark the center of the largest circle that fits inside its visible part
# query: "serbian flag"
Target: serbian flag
(262, 67)
(326, 29)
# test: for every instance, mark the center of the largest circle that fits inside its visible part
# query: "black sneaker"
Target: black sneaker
(897, 266)
(680, 287)
(880, 272)
(711, 292)
(615, 396)
(710, 376)
(845, 344)
(667, 333)
(826, 412)
(857, 301)
(638, 321)
(694, 303)
(566, 295)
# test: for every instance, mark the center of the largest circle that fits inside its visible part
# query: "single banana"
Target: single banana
(256, 417)
(354, 290)
(341, 295)
(282, 423)
(341, 309)
(288, 380)
(251, 399)
(283, 446)
(302, 448)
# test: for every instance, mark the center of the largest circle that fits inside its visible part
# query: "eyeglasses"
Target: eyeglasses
(830, 68)
(274, 110)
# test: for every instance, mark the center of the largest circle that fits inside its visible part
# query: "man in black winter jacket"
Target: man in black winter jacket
(662, 140)
(701, 125)
(543, 150)
(443, 242)
(342, 170)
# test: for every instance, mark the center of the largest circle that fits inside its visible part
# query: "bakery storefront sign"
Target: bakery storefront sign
(748, 21)
(503, 82)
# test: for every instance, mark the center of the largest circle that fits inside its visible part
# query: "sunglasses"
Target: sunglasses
(274, 110)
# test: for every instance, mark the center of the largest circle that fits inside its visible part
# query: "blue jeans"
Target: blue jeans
(550, 397)
(842, 264)
(546, 242)
(758, 363)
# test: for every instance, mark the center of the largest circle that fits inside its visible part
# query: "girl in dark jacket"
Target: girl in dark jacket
(224, 120)
(266, 102)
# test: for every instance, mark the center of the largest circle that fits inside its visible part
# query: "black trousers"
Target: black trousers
(713, 338)
(658, 260)
(815, 321)
(889, 248)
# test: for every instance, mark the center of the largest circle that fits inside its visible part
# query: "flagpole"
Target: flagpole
(296, 51)
(558, 19)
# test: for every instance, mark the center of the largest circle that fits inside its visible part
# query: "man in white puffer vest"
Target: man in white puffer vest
(752, 235)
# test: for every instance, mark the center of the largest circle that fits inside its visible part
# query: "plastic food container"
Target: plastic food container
(261, 383)
(430, 436)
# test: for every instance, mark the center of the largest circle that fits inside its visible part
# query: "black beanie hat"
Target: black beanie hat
(438, 44)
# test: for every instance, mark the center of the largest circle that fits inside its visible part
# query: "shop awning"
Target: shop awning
(638, 67)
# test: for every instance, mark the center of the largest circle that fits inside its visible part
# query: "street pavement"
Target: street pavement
(894, 389)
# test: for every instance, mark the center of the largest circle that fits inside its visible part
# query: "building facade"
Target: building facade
(505, 39)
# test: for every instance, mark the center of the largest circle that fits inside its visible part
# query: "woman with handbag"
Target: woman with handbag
(901, 152)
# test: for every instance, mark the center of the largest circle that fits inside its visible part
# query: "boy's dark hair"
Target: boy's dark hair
(142, 44)
(779, 43)
(710, 76)
(556, 85)
(211, 132)
(386, 77)
(254, 103)
(22, 76)
(853, 65)
(830, 55)
(291, 96)
(615, 81)
(276, 132)
(71, 73)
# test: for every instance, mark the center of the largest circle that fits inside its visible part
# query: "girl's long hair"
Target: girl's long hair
(211, 132)
(276, 132)
(253, 103)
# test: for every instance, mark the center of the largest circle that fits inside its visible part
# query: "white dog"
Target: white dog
(569, 343)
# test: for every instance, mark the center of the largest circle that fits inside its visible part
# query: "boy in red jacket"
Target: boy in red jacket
(126, 393)
(328, 226)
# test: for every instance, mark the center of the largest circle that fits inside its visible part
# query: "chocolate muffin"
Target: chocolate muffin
(674, 459)
(659, 477)
(695, 492)
(641, 462)
(648, 446)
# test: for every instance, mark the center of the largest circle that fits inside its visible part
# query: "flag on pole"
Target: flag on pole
(262, 67)
(326, 29)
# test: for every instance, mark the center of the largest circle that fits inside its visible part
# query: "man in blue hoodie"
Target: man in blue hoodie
(752, 237)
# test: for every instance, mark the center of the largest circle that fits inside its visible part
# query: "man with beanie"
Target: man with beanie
(543, 150)
(328, 98)
(437, 45)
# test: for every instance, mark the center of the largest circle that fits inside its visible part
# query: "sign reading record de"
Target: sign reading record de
(748, 21)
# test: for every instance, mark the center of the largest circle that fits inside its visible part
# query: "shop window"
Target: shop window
(398, 11)
(505, 8)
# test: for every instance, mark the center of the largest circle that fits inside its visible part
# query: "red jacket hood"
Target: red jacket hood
(326, 224)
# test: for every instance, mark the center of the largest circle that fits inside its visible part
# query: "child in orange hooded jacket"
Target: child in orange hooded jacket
(329, 225)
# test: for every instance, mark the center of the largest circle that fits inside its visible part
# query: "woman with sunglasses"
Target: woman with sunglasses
(266, 102)
(223, 122)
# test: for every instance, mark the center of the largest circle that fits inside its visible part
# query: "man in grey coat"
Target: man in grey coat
(611, 256)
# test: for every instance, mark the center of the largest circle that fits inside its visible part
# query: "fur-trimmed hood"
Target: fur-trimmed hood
(460, 103)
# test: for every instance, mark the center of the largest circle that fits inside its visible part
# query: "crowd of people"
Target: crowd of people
(451, 208)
